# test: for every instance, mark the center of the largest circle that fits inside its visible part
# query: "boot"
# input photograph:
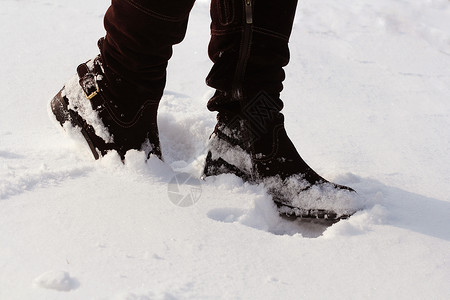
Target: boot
(114, 98)
(249, 48)
(106, 122)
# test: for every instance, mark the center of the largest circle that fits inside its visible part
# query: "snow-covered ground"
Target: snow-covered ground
(367, 103)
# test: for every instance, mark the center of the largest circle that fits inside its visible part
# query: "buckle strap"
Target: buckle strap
(88, 81)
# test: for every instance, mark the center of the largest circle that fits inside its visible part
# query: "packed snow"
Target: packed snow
(55, 280)
(366, 103)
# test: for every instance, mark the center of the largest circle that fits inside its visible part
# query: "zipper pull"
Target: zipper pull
(248, 11)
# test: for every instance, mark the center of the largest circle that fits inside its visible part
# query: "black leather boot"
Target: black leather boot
(119, 118)
(249, 48)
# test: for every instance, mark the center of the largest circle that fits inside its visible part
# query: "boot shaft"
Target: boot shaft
(249, 47)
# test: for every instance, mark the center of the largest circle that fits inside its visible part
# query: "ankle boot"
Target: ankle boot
(249, 48)
(110, 112)
(114, 98)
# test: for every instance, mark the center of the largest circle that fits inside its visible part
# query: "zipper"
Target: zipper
(237, 90)
(248, 11)
(244, 50)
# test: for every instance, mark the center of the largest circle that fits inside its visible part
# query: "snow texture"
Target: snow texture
(366, 103)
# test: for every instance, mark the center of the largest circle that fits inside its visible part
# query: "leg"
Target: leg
(249, 48)
(139, 40)
(114, 98)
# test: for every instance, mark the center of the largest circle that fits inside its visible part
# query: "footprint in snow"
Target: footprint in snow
(226, 215)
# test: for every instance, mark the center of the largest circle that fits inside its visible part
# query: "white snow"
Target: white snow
(366, 103)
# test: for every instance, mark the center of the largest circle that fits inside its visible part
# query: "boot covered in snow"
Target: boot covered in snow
(251, 142)
(249, 139)
(111, 113)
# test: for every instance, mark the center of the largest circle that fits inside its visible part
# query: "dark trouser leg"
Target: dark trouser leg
(139, 40)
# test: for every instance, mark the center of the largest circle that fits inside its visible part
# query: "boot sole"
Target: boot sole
(293, 213)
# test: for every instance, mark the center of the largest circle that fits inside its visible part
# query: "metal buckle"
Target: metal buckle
(93, 94)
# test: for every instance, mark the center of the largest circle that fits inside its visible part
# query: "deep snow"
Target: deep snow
(366, 103)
